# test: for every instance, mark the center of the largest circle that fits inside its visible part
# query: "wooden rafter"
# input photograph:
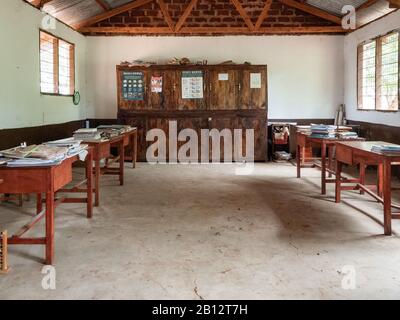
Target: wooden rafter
(103, 4)
(243, 14)
(39, 3)
(185, 15)
(264, 14)
(110, 13)
(212, 30)
(312, 10)
(167, 17)
(367, 4)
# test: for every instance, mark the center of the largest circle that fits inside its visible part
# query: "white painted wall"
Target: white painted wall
(305, 72)
(21, 103)
(351, 42)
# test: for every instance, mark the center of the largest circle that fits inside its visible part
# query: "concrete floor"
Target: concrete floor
(200, 232)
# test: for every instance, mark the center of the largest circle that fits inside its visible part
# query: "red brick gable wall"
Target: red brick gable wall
(213, 13)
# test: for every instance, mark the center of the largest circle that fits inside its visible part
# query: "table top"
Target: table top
(366, 146)
(336, 139)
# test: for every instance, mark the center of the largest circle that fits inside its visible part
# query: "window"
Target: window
(57, 65)
(378, 74)
(366, 76)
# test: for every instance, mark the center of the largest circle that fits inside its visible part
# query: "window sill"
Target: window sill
(56, 94)
(383, 111)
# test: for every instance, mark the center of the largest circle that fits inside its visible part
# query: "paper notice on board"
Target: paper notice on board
(192, 85)
(223, 76)
(255, 80)
(156, 84)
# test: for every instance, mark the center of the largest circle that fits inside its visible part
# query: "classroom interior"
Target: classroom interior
(199, 149)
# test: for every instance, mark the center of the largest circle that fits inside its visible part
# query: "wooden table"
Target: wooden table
(327, 146)
(353, 153)
(49, 180)
(102, 150)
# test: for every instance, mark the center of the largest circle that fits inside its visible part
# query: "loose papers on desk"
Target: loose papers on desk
(42, 155)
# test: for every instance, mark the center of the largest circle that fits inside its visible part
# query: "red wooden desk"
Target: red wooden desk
(327, 149)
(48, 180)
(102, 150)
(353, 153)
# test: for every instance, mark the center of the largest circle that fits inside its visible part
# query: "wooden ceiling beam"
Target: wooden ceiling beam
(395, 4)
(213, 30)
(105, 6)
(111, 13)
(167, 17)
(243, 14)
(185, 15)
(312, 10)
(264, 14)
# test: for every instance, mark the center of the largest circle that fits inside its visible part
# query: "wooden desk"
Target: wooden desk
(130, 140)
(327, 153)
(353, 153)
(48, 180)
(102, 150)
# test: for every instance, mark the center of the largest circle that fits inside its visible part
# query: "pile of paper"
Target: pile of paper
(111, 131)
(387, 149)
(91, 134)
(347, 135)
(35, 155)
(73, 146)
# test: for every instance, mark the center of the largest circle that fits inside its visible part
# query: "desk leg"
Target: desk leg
(121, 163)
(49, 227)
(380, 180)
(134, 156)
(387, 197)
(298, 160)
(323, 168)
(89, 187)
(97, 182)
(338, 181)
(39, 204)
(330, 160)
(362, 176)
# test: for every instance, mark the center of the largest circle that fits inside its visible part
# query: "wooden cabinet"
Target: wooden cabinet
(230, 97)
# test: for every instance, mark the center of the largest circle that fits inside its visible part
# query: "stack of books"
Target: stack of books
(323, 131)
(91, 134)
(387, 149)
(304, 129)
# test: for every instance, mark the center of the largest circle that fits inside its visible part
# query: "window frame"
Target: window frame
(378, 40)
(73, 78)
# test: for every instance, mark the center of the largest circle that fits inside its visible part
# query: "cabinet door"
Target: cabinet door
(253, 93)
(224, 87)
(220, 123)
(132, 89)
(187, 86)
(259, 125)
(196, 124)
(168, 97)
